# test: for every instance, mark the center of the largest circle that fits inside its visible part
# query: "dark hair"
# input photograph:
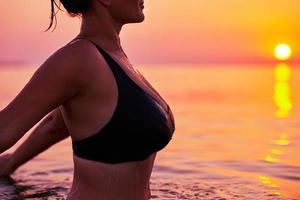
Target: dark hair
(73, 7)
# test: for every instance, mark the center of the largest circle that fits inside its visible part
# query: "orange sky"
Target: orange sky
(190, 31)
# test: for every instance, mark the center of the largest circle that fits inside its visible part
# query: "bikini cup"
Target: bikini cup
(165, 109)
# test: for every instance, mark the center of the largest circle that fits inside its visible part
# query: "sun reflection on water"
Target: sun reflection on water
(282, 90)
(269, 182)
(269, 158)
(283, 140)
(284, 105)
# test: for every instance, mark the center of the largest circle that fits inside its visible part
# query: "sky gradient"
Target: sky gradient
(192, 31)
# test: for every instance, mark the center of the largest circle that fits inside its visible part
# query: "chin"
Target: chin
(140, 19)
(136, 19)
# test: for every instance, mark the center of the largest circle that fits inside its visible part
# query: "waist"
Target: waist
(95, 180)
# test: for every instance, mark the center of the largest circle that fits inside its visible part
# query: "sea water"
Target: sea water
(237, 135)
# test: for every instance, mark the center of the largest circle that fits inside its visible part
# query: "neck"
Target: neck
(102, 29)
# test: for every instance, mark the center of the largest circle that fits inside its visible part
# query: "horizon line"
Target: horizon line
(220, 62)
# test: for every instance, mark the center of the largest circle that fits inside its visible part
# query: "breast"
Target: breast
(138, 128)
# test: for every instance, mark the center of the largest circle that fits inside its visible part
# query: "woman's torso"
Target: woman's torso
(87, 114)
(101, 181)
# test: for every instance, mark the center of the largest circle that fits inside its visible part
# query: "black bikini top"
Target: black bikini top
(137, 128)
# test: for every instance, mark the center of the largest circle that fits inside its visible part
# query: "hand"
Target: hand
(5, 169)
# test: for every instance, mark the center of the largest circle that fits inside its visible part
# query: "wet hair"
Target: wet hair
(73, 7)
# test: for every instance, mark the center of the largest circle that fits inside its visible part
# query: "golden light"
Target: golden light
(282, 73)
(283, 52)
(266, 180)
(271, 159)
(283, 140)
(282, 90)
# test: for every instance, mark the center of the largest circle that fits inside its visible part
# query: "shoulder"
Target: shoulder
(76, 55)
(81, 52)
(77, 60)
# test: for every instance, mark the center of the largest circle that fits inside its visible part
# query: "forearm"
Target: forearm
(41, 138)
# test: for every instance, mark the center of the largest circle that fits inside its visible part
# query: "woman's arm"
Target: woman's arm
(57, 81)
(50, 131)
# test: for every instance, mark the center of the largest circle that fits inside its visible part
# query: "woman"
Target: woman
(116, 120)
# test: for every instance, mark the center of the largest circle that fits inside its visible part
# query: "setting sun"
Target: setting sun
(282, 52)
